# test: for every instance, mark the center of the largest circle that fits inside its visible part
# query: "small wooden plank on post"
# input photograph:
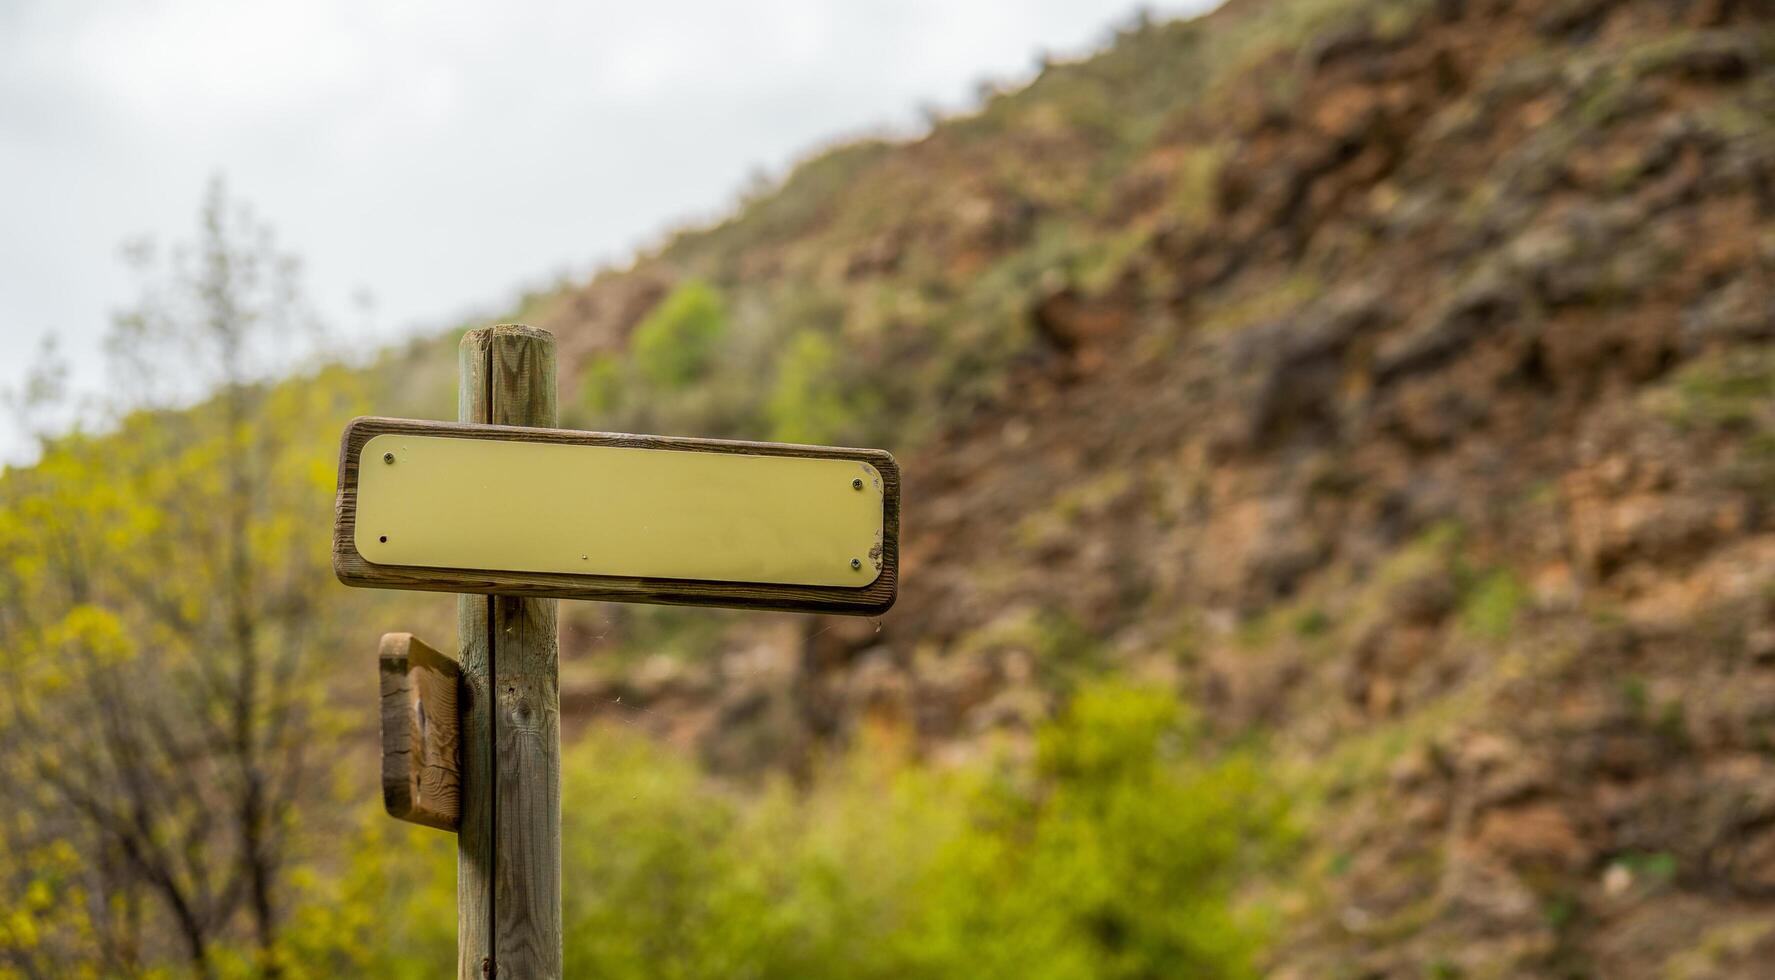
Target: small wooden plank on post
(421, 745)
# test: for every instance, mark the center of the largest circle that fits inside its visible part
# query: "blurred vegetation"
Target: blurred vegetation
(164, 603)
(810, 399)
(671, 352)
(1111, 853)
(675, 346)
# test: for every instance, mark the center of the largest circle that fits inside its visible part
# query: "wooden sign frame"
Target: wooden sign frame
(352, 568)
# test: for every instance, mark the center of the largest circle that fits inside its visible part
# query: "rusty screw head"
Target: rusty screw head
(388, 457)
(856, 563)
(857, 484)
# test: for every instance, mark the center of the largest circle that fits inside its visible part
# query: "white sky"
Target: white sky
(440, 155)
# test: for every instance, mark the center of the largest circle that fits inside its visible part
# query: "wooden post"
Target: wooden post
(508, 881)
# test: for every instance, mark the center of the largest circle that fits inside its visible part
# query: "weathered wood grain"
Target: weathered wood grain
(509, 844)
(421, 747)
(474, 837)
(353, 569)
(527, 807)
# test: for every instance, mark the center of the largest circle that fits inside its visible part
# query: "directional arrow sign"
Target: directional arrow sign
(506, 510)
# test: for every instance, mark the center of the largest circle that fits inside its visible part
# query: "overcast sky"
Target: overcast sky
(438, 156)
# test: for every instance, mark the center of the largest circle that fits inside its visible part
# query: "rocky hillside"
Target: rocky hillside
(1396, 379)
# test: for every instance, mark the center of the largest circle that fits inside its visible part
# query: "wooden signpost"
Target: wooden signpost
(512, 514)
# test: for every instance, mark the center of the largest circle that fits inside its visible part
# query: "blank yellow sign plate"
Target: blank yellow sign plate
(521, 506)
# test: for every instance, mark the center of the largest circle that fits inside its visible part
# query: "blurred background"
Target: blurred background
(1339, 443)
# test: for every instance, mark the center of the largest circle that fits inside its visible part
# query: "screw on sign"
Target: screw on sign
(512, 514)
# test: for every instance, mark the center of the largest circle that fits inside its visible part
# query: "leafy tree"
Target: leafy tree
(160, 607)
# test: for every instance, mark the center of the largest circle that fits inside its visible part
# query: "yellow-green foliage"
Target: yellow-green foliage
(1111, 854)
(1729, 394)
(1255, 304)
(389, 913)
(1489, 608)
(685, 369)
(808, 401)
(1732, 391)
(1192, 197)
(676, 344)
(120, 662)
(600, 384)
(165, 620)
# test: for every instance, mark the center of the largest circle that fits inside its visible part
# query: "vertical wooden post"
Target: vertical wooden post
(508, 880)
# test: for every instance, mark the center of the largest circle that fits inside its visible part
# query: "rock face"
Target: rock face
(1428, 430)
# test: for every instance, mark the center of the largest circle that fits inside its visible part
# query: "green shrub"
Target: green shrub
(1113, 853)
(1113, 857)
(808, 402)
(677, 342)
(600, 384)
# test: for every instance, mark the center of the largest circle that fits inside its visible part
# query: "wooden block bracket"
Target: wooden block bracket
(421, 741)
